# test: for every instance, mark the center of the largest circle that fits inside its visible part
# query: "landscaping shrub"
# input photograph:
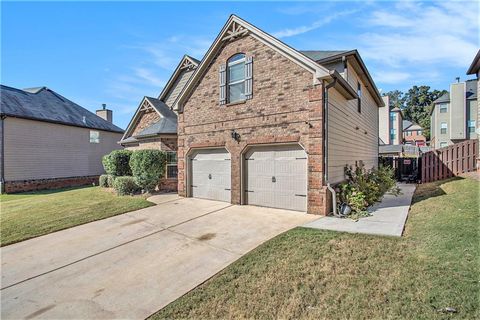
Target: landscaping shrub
(110, 180)
(365, 187)
(148, 166)
(117, 162)
(103, 181)
(125, 185)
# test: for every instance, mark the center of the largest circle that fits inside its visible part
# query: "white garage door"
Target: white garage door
(276, 176)
(211, 174)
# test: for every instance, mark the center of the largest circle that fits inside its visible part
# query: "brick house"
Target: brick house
(261, 123)
(154, 124)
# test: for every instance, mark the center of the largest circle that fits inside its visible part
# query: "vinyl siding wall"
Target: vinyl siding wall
(178, 86)
(348, 145)
(41, 150)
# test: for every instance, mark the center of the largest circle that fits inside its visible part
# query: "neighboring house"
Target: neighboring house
(454, 117)
(154, 124)
(261, 123)
(475, 69)
(413, 134)
(48, 141)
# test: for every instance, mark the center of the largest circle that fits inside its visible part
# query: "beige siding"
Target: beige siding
(384, 121)
(177, 87)
(348, 145)
(40, 150)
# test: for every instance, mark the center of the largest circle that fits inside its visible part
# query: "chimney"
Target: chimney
(105, 113)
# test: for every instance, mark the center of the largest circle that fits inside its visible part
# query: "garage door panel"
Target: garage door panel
(276, 176)
(211, 174)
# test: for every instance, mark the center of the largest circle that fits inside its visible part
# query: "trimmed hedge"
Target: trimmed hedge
(148, 166)
(125, 185)
(117, 162)
(110, 180)
(103, 181)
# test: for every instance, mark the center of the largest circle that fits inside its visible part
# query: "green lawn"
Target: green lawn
(27, 215)
(314, 274)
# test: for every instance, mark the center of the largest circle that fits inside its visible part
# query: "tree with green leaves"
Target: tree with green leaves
(416, 104)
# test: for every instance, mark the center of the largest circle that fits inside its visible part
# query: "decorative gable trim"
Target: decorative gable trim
(144, 107)
(236, 27)
(186, 63)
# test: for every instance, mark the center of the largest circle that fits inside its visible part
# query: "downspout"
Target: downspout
(325, 144)
(2, 152)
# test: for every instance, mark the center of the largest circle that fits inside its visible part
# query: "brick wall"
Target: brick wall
(42, 184)
(146, 119)
(285, 108)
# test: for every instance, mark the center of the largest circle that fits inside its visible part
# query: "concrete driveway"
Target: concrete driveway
(132, 265)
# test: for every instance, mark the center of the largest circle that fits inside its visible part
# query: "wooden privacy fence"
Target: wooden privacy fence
(449, 161)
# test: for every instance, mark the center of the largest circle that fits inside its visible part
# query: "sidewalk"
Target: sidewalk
(388, 217)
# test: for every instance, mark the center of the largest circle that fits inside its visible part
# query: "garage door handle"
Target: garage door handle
(300, 195)
(248, 191)
(194, 186)
(274, 179)
(228, 189)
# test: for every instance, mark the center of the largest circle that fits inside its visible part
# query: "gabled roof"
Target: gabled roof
(471, 89)
(406, 124)
(322, 54)
(237, 27)
(166, 125)
(187, 62)
(43, 104)
(331, 56)
(443, 98)
(475, 66)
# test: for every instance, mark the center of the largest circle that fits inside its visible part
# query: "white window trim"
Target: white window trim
(97, 140)
(231, 83)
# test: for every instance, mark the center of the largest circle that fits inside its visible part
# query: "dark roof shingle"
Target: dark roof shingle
(43, 104)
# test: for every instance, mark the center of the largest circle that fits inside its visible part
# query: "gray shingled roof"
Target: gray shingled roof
(406, 124)
(443, 98)
(43, 104)
(390, 148)
(471, 88)
(166, 125)
(321, 54)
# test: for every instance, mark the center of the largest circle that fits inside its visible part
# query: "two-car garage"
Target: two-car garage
(273, 176)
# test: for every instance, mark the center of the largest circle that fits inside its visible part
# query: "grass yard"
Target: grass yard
(315, 274)
(32, 214)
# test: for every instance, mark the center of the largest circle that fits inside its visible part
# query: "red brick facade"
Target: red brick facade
(42, 184)
(285, 108)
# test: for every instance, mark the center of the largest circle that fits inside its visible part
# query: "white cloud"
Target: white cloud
(149, 77)
(423, 34)
(391, 76)
(289, 32)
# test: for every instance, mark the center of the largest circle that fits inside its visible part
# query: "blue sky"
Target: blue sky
(118, 52)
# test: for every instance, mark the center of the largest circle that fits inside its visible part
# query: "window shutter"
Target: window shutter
(223, 86)
(248, 77)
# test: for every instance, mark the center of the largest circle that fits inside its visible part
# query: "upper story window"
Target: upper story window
(393, 134)
(419, 132)
(94, 136)
(443, 128)
(443, 144)
(236, 78)
(443, 108)
(471, 126)
(393, 116)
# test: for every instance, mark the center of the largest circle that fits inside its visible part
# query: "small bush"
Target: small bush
(125, 185)
(365, 187)
(103, 181)
(148, 166)
(117, 162)
(110, 180)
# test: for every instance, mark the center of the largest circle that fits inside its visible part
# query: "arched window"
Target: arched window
(236, 78)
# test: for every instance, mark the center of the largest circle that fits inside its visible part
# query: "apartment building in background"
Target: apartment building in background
(454, 116)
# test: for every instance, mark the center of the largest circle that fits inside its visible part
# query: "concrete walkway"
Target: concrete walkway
(131, 265)
(388, 217)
